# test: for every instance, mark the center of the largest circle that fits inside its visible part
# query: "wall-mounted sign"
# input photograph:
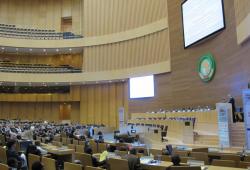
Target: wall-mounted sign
(206, 67)
(224, 111)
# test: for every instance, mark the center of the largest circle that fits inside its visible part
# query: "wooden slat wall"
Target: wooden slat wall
(100, 103)
(74, 95)
(150, 49)
(110, 16)
(56, 60)
(36, 111)
(44, 14)
(242, 9)
(183, 87)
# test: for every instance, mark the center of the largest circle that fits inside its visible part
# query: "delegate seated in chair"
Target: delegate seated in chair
(133, 160)
(12, 153)
(95, 162)
(176, 160)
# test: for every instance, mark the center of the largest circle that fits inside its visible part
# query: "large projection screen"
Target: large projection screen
(201, 18)
(141, 87)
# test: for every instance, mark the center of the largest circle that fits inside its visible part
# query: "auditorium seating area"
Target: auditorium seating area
(12, 31)
(10, 67)
(56, 140)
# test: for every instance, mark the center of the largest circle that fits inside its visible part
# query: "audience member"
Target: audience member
(95, 162)
(12, 163)
(37, 166)
(133, 160)
(175, 159)
(12, 153)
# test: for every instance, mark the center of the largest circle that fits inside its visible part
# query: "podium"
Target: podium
(246, 107)
(224, 111)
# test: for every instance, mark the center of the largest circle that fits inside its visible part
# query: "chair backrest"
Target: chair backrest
(184, 159)
(92, 168)
(3, 155)
(102, 147)
(201, 156)
(33, 158)
(64, 141)
(49, 164)
(225, 163)
(166, 158)
(81, 143)
(181, 153)
(155, 152)
(243, 164)
(4, 167)
(2, 140)
(93, 145)
(85, 159)
(69, 140)
(76, 142)
(185, 168)
(121, 153)
(79, 148)
(200, 150)
(118, 164)
(230, 157)
(56, 143)
(72, 146)
(247, 158)
(57, 138)
(71, 166)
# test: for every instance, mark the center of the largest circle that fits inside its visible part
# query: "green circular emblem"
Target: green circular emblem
(206, 67)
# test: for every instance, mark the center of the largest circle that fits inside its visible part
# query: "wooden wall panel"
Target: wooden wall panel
(44, 14)
(110, 16)
(73, 96)
(183, 87)
(150, 49)
(242, 9)
(100, 103)
(36, 111)
(54, 60)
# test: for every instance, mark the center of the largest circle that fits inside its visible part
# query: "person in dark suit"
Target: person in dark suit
(232, 101)
(37, 166)
(133, 160)
(95, 162)
(11, 151)
(176, 160)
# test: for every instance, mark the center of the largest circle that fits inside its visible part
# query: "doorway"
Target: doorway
(64, 111)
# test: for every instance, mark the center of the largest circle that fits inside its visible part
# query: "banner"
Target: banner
(246, 107)
(224, 111)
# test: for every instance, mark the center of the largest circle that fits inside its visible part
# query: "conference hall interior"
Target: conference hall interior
(124, 84)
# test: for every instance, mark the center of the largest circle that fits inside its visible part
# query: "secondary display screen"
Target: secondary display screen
(141, 87)
(201, 18)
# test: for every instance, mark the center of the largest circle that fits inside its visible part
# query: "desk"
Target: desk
(162, 165)
(223, 168)
(62, 153)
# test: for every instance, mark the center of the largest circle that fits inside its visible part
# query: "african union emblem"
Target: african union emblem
(206, 67)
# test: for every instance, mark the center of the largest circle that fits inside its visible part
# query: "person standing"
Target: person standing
(232, 101)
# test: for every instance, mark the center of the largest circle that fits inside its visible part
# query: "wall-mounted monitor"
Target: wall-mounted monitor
(201, 19)
(141, 87)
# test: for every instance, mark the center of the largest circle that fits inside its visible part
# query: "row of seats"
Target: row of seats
(36, 68)
(11, 31)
